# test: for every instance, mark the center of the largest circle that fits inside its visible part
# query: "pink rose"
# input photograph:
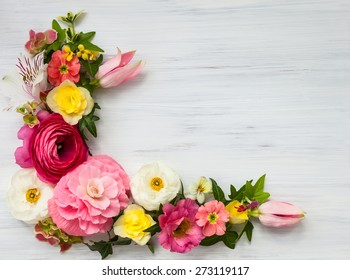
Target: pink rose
(57, 149)
(22, 154)
(180, 233)
(37, 41)
(87, 198)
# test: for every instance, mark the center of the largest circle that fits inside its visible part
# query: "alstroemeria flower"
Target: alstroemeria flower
(118, 70)
(212, 216)
(60, 69)
(238, 213)
(198, 189)
(279, 214)
(154, 184)
(28, 196)
(37, 41)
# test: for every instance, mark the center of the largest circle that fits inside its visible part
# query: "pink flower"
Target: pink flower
(37, 41)
(23, 154)
(87, 198)
(57, 149)
(212, 216)
(60, 69)
(118, 70)
(279, 214)
(180, 233)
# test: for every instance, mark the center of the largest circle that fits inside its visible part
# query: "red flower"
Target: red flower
(59, 69)
(57, 149)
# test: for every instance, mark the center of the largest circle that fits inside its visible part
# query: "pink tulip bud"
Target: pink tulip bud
(118, 70)
(279, 214)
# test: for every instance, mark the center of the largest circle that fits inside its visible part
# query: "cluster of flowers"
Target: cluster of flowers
(70, 195)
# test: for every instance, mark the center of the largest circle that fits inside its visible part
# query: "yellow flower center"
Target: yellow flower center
(63, 69)
(182, 229)
(200, 188)
(212, 217)
(157, 184)
(33, 195)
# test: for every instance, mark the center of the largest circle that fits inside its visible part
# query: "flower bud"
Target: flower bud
(279, 214)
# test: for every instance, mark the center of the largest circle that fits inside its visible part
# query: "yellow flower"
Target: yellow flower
(86, 54)
(236, 216)
(133, 223)
(67, 53)
(70, 101)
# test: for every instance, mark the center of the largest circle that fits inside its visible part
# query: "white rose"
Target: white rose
(154, 184)
(28, 196)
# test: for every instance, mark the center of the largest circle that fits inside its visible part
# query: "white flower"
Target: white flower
(154, 184)
(198, 189)
(27, 197)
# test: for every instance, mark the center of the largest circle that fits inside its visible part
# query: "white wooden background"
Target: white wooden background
(231, 90)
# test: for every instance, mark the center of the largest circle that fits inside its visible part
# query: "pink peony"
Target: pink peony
(180, 233)
(23, 154)
(118, 70)
(279, 214)
(212, 216)
(57, 149)
(87, 198)
(37, 41)
(60, 69)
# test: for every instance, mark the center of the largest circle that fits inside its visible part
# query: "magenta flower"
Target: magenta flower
(23, 154)
(60, 69)
(279, 214)
(37, 41)
(180, 233)
(118, 70)
(87, 198)
(212, 216)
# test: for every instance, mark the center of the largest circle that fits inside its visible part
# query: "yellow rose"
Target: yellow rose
(133, 223)
(235, 216)
(70, 101)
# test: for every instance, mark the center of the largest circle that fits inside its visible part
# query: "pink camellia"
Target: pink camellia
(212, 217)
(60, 69)
(23, 154)
(37, 41)
(180, 233)
(57, 149)
(118, 70)
(279, 214)
(87, 198)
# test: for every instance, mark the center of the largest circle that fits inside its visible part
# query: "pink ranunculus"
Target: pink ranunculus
(60, 69)
(180, 233)
(87, 198)
(37, 41)
(118, 70)
(57, 149)
(23, 154)
(212, 216)
(279, 214)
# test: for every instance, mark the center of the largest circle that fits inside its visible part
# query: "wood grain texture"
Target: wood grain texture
(231, 90)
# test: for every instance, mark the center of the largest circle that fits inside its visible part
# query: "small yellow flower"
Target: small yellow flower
(68, 54)
(236, 216)
(133, 223)
(70, 101)
(86, 54)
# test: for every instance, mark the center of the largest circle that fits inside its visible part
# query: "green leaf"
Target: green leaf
(259, 185)
(61, 33)
(83, 37)
(91, 68)
(211, 240)
(121, 241)
(261, 198)
(103, 247)
(229, 239)
(218, 193)
(248, 229)
(153, 229)
(233, 192)
(240, 194)
(150, 247)
(92, 47)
